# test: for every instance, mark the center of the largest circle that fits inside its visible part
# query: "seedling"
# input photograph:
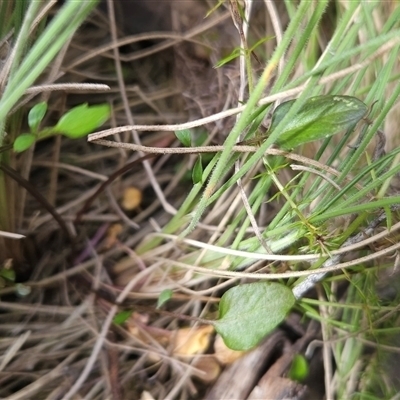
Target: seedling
(76, 123)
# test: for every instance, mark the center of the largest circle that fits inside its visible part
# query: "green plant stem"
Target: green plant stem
(244, 118)
(62, 27)
(176, 221)
(23, 37)
(18, 50)
(302, 42)
(293, 110)
(293, 205)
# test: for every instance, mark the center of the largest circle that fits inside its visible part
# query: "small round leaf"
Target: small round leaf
(23, 142)
(299, 369)
(247, 313)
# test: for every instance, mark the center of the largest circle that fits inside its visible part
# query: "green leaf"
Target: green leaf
(247, 313)
(8, 274)
(82, 120)
(238, 51)
(319, 118)
(299, 369)
(235, 54)
(122, 316)
(220, 2)
(36, 115)
(23, 142)
(260, 42)
(389, 219)
(197, 173)
(184, 136)
(164, 296)
(199, 138)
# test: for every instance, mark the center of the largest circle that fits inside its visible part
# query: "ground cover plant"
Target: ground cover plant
(244, 185)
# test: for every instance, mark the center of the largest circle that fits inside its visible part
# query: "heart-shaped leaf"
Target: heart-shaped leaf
(247, 313)
(319, 118)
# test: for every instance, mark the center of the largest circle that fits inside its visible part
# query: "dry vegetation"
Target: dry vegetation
(58, 339)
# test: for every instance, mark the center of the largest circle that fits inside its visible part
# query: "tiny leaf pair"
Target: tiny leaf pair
(35, 117)
(76, 123)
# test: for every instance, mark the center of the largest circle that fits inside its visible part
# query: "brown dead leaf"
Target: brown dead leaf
(185, 341)
(207, 368)
(190, 341)
(224, 354)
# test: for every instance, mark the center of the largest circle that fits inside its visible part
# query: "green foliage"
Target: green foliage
(31, 40)
(36, 115)
(230, 57)
(184, 136)
(164, 296)
(238, 51)
(82, 120)
(197, 172)
(299, 369)
(24, 142)
(219, 4)
(31, 57)
(78, 122)
(320, 117)
(247, 313)
(8, 274)
(336, 183)
(122, 317)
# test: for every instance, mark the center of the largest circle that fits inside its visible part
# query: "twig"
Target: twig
(276, 257)
(313, 276)
(11, 235)
(296, 167)
(67, 87)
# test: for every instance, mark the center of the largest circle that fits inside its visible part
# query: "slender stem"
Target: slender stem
(281, 188)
